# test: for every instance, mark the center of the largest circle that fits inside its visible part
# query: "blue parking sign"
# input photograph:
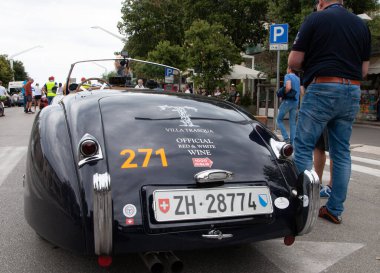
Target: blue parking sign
(169, 72)
(278, 34)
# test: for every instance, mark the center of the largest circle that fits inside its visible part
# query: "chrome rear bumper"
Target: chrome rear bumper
(102, 214)
(310, 202)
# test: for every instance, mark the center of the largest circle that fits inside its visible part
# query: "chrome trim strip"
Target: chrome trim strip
(310, 200)
(102, 214)
(213, 175)
(84, 160)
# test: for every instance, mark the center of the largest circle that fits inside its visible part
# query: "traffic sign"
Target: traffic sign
(278, 38)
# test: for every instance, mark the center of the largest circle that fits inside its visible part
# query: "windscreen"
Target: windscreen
(124, 73)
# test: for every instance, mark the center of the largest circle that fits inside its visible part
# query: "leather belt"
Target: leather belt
(335, 80)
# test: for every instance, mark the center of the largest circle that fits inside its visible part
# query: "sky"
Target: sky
(62, 29)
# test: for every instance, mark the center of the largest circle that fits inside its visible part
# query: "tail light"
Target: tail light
(287, 150)
(88, 148)
(281, 149)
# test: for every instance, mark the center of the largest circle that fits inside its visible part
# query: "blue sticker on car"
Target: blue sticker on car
(263, 198)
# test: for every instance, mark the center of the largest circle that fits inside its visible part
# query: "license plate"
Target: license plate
(192, 204)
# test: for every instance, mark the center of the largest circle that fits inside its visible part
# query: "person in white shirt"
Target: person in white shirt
(140, 84)
(37, 96)
(3, 91)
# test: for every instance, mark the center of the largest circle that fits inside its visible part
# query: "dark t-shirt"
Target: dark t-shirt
(335, 42)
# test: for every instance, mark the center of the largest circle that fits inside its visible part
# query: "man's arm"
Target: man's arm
(295, 60)
(365, 67)
(288, 86)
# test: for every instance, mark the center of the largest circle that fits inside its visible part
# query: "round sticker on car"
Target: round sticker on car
(129, 210)
(281, 202)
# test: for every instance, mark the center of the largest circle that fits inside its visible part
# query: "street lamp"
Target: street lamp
(110, 33)
(19, 53)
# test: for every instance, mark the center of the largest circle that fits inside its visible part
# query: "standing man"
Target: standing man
(289, 105)
(333, 48)
(49, 88)
(37, 96)
(28, 95)
(234, 95)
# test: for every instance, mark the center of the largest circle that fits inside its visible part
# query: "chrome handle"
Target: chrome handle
(213, 176)
(216, 234)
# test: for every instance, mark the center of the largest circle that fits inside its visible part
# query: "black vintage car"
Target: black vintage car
(114, 169)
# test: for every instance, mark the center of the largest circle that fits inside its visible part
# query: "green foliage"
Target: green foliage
(19, 70)
(242, 19)
(148, 22)
(165, 53)
(5, 70)
(210, 51)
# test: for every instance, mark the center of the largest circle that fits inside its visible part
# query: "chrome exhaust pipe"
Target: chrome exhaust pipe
(152, 261)
(174, 263)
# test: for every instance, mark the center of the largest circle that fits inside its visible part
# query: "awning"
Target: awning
(374, 65)
(240, 72)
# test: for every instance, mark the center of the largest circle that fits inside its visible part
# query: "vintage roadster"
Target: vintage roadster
(114, 169)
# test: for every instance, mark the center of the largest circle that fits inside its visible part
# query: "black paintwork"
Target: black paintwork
(58, 194)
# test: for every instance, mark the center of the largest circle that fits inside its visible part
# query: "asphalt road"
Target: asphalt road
(353, 246)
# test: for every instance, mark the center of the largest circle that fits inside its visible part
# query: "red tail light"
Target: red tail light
(104, 261)
(287, 150)
(88, 148)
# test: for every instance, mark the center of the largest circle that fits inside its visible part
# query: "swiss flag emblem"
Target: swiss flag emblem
(164, 204)
(130, 221)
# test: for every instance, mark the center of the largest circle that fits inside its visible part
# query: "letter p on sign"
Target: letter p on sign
(279, 34)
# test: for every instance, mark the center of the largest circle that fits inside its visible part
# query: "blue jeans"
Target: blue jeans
(288, 106)
(335, 106)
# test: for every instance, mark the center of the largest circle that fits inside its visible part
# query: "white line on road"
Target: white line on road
(9, 157)
(304, 256)
(363, 169)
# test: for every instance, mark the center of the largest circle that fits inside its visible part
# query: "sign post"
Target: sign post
(278, 40)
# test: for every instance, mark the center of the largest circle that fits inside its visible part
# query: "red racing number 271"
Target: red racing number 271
(131, 154)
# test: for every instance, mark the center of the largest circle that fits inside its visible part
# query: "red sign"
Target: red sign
(164, 205)
(130, 221)
(202, 162)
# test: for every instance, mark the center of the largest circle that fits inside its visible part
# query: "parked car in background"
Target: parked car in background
(15, 88)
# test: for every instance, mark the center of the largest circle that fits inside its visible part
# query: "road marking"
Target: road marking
(304, 256)
(367, 149)
(363, 169)
(9, 157)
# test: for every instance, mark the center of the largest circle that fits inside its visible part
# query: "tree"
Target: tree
(19, 71)
(5, 70)
(242, 19)
(210, 52)
(147, 22)
(165, 53)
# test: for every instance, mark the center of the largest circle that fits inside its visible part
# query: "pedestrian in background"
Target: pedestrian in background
(37, 96)
(49, 88)
(140, 84)
(23, 94)
(289, 105)
(29, 94)
(333, 48)
(320, 150)
(233, 95)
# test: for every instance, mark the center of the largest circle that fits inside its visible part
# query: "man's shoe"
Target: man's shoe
(325, 191)
(324, 213)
